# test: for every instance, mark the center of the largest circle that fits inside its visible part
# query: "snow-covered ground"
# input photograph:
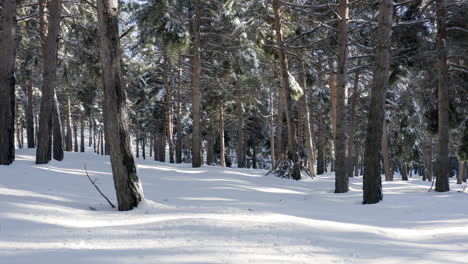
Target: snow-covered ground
(220, 215)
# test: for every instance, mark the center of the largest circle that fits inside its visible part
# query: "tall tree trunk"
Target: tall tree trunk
(151, 146)
(57, 130)
(404, 171)
(321, 145)
(30, 115)
(372, 182)
(356, 160)
(196, 94)
(137, 143)
(7, 81)
(101, 140)
(332, 85)
(128, 188)
(68, 135)
(90, 131)
(442, 180)
(386, 154)
(48, 87)
(168, 101)
(75, 134)
(465, 171)
(82, 137)
(283, 62)
(341, 179)
(143, 146)
(308, 131)
(179, 113)
(17, 125)
(210, 143)
(272, 129)
(222, 151)
(240, 137)
(351, 159)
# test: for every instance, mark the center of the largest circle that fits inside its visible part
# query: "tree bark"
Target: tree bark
(372, 182)
(30, 115)
(196, 94)
(75, 134)
(168, 101)
(68, 136)
(128, 188)
(442, 179)
(48, 87)
(272, 129)
(7, 81)
(283, 63)
(386, 154)
(240, 137)
(179, 113)
(351, 159)
(341, 179)
(222, 154)
(57, 130)
(308, 131)
(82, 137)
(210, 143)
(320, 145)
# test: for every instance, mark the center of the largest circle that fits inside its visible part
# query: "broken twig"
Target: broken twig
(97, 188)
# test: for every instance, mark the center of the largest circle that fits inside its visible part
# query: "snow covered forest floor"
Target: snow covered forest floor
(52, 214)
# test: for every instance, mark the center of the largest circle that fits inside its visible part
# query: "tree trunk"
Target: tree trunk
(460, 172)
(321, 144)
(143, 146)
(68, 136)
(7, 81)
(210, 143)
(404, 171)
(351, 159)
(151, 146)
(283, 62)
(222, 154)
(386, 154)
(196, 94)
(356, 160)
(128, 188)
(179, 113)
(240, 137)
(465, 171)
(30, 115)
(101, 140)
(90, 131)
(308, 131)
(57, 130)
(442, 180)
(332, 84)
(372, 182)
(75, 134)
(48, 87)
(272, 130)
(17, 126)
(82, 137)
(341, 179)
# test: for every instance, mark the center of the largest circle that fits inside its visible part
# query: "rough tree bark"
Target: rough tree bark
(341, 179)
(128, 188)
(308, 131)
(82, 137)
(7, 82)
(386, 154)
(179, 113)
(272, 130)
(68, 135)
(443, 172)
(48, 86)
(284, 75)
(168, 102)
(196, 94)
(30, 115)
(372, 182)
(351, 159)
(222, 151)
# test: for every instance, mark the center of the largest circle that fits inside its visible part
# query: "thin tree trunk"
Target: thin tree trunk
(356, 160)
(210, 143)
(332, 85)
(57, 130)
(404, 171)
(17, 125)
(75, 134)
(151, 146)
(222, 154)
(460, 172)
(386, 154)
(240, 137)
(7, 81)
(82, 137)
(321, 144)
(272, 130)
(372, 182)
(143, 146)
(68, 136)
(101, 140)
(196, 94)
(43, 154)
(127, 184)
(179, 113)
(90, 131)
(442, 180)
(283, 62)
(465, 171)
(351, 159)
(30, 115)
(168, 99)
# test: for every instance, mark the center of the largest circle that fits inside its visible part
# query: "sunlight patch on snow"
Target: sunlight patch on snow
(207, 199)
(240, 173)
(24, 193)
(155, 167)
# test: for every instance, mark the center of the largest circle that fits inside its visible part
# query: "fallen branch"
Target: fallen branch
(97, 188)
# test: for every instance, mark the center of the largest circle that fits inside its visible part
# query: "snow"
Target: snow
(220, 215)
